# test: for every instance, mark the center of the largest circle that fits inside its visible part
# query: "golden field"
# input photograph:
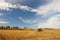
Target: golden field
(29, 34)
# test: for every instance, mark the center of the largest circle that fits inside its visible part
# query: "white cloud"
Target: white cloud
(15, 1)
(53, 22)
(27, 20)
(3, 22)
(4, 5)
(25, 8)
(1, 19)
(44, 10)
(1, 14)
(7, 5)
(49, 8)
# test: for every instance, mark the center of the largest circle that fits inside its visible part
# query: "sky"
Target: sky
(30, 13)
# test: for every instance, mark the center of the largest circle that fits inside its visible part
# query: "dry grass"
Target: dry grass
(30, 34)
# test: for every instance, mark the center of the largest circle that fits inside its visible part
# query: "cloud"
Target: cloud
(15, 1)
(7, 5)
(50, 8)
(3, 22)
(25, 8)
(52, 22)
(44, 10)
(4, 5)
(27, 20)
(1, 14)
(1, 19)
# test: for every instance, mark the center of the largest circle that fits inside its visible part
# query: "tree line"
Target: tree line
(17, 28)
(9, 28)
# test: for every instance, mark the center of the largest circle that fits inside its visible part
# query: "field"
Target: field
(45, 34)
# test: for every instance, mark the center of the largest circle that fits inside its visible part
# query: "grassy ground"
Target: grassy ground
(53, 34)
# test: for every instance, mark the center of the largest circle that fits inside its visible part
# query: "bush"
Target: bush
(40, 29)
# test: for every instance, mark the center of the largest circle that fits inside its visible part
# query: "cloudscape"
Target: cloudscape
(30, 13)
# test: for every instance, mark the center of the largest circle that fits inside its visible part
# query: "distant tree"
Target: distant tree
(8, 27)
(15, 28)
(2, 27)
(25, 27)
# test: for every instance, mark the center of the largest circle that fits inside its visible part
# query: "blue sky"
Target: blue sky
(30, 13)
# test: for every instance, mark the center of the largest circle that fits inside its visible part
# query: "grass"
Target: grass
(46, 34)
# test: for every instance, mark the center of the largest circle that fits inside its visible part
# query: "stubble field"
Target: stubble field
(46, 34)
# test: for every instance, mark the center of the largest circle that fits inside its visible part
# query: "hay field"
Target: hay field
(46, 34)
